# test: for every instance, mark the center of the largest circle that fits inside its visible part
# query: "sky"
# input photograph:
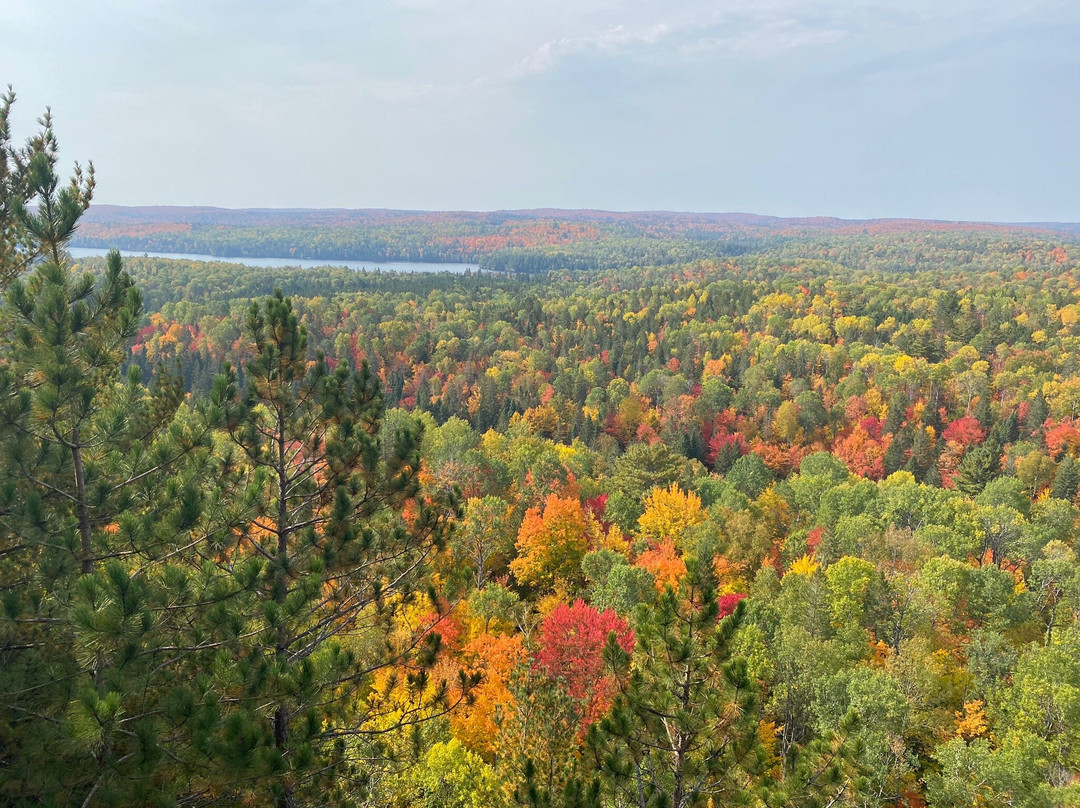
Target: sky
(948, 109)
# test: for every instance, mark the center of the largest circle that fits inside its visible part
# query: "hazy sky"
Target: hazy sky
(931, 108)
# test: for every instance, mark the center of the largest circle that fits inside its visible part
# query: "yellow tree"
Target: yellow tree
(785, 425)
(669, 512)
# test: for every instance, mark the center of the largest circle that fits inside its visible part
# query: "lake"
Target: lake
(304, 263)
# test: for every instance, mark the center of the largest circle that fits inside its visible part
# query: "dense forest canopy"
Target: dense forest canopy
(782, 514)
(515, 241)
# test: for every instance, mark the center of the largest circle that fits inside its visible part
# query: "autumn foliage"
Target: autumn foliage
(571, 644)
(551, 542)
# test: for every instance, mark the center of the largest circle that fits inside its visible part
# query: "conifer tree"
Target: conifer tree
(18, 248)
(1067, 479)
(333, 539)
(685, 722)
(685, 731)
(85, 453)
(979, 466)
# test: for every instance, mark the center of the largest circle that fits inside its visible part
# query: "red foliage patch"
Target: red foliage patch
(572, 640)
(729, 602)
(966, 431)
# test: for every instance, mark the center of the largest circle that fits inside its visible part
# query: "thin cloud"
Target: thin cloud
(770, 28)
(610, 40)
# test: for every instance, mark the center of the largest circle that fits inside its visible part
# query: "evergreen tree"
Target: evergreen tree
(1067, 479)
(70, 333)
(901, 443)
(1036, 415)
(985, 415)
(86, 456)
(979, 466)
(684, 730)
(28, 174)
(334, 541)
(685, 722)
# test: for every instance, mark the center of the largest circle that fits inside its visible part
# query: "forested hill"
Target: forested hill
(520, 240)
(135, 215)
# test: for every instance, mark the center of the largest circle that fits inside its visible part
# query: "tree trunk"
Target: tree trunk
(287, 798)
(81, 505)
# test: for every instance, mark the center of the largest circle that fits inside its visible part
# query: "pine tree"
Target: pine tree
(686, 721)
(979, 466)
(685, 729)
(333, 540)
(86, 453)
(22, 172)
(70, 333)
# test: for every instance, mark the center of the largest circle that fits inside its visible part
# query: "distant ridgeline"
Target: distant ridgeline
(528, 241)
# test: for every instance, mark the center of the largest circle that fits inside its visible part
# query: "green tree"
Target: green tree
(750, 475)
(28, 178)
(320, 558)
(975, 774)
(1066, 480)
(614, 583)
(453, 777)
(686, 719)
(485, 540)
(643, 467)
(685, 728)
(978, 467)
(1040, 710)
(92, 498)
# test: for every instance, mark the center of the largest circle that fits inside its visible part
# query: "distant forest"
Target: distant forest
(527, 241)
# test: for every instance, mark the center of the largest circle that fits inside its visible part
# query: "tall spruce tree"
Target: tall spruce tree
(979, 466)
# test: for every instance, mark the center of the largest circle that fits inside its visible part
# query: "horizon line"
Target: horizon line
(602, 211)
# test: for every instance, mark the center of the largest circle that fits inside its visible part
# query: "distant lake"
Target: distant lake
(304, 263)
